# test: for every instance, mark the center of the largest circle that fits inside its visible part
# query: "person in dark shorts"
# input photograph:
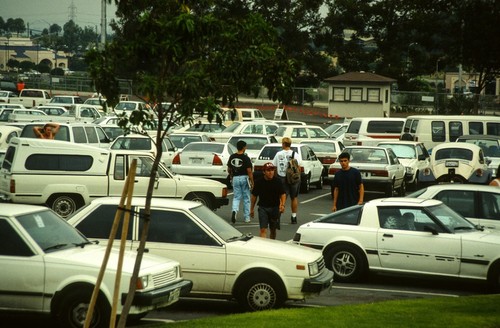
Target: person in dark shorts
(347, 185)
(272, 197)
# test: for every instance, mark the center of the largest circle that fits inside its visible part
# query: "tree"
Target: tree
(191, 58)
(71, 36)
(15, 26)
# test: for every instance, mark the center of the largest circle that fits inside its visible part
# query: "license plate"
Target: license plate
(451, 164)
(196, 160)
(174, 296)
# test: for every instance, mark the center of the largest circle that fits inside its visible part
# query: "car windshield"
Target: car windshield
(268, 153)
(218, 225)
(50, 231)
(367, 155)
(491, 148)
(253, 143)
(322, 147)
(402, 151)
(206, 147)
(453, 221)
(132, 143)
(459, 153)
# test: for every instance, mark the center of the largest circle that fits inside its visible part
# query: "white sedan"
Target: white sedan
(204, 159)
(379, 167)
(221, 261)
(311, 167)
(456, 162)
(403, 236)
(478, 204)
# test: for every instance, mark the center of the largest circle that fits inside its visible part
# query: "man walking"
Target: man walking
(281, 160)
(272, 197)
(348, 189)
(239, 167)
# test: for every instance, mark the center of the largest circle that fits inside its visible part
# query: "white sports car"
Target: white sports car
(403, 236)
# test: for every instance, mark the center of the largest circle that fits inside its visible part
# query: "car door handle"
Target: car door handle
(388, 235)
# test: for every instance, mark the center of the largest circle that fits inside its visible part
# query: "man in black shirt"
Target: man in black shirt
(239, 167)
(272, 196)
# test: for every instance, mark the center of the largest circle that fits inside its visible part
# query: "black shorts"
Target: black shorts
(268, 217)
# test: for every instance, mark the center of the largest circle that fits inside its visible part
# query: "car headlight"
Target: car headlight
(142, 282)
(313, 269)
(409, 170)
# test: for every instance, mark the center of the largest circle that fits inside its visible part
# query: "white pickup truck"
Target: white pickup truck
(66, 176)
(31, 98)
(80, 113)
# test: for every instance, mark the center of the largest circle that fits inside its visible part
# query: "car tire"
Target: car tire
(319, 184)
(415, 184)
(305, 185)
(494, 278)
(402, 188)
(65, 204)
(73, 309)
(203, 198)
(347, 262)
(261, 293)
(390, 189)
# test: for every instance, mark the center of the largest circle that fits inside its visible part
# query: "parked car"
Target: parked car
(99, 103)
(8, 132)
(403, 236)
(11, 114)
(181, 139)
(6, 95)
(65, 101)
(478, 204)
(221, 261)
(311, 169)
(490, 145)
(51, 268)
(379, 167)
(128, 106)
(204, 159)
(457, 162)
(300, 132)
(414, 157)
(203, 126)
(52, 110)
(248, 127)
(145, 143)
(335, 127)
(255, 142)
(326, 150)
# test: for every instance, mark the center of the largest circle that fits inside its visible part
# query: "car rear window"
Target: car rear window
(385, 126)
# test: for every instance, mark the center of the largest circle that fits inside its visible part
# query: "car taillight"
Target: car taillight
(359, 143)
(12, 186)
(216, 160)
(479, 172)
(224, 192)
(427, 171)
(176, 159)
(328, 160)
(333, 170)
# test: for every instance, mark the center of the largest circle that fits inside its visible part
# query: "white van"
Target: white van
(231, 115)
(435, 129)
(369, 131)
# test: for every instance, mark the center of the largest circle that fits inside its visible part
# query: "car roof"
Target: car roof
(155, 202)
(400, 142)
(402, 201)
(461, 186)
(260, 136)
(479, 137)
(9, 209)
(464, 145)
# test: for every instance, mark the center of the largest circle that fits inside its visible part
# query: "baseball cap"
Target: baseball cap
(268, 166)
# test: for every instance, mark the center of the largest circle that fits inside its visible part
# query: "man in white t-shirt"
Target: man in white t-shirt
(281, 162)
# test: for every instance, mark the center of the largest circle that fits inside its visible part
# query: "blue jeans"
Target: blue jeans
(241, 190)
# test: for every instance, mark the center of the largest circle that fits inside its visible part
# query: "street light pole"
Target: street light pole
(436, 84)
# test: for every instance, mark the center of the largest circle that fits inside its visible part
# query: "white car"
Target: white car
(327, 151)
(255, 142)
(491, 148)
(403, 236)
(457, 162)
(379, 167)
(65, 101)
(221, 261)
(478, 204)
(8, 132)
(48, 267)
(128, 106)
(246, 127)
(52, 110)
(312, 169)
(413, 155)
(300, 132)
(181, 139)
(99, 103)
(145, 143)
(5, 96)
(204, 159)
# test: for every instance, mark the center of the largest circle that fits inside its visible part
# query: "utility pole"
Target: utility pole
(103, 23)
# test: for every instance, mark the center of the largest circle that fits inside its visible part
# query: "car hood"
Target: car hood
(92, 256)
(270, 249)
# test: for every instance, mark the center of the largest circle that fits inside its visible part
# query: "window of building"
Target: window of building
(356, 94)
(373, 95)
(338, 94)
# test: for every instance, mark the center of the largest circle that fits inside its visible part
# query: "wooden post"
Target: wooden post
(126, 195)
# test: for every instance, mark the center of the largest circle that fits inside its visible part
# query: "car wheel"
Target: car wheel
(390, 189)
(494, 278)
(305, 185)
(261, 293)
(402, 188)
(347, 262)
(64, 204)
(203, 198)
(319, 184)
(414, 185)
(73, 310)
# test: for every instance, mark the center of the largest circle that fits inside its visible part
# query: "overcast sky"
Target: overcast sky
(39, 14)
